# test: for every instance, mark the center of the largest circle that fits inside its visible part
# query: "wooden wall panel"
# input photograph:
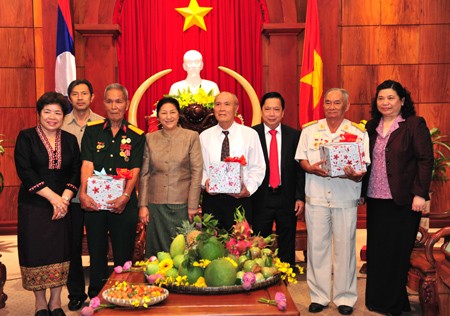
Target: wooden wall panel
(8, 168)
(364, 47)
(18, 13)
(399, 45)
(360, 12)
(435, 12)
(436, 115)
(13, 120)
(358, 81)
(407, 75)
(17, 87)
(282, 75)
(8, 198)
(435, 43)
(434, 83)
(400, 11)
(17, 50)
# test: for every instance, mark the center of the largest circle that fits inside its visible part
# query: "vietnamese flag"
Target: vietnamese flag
(311, 78)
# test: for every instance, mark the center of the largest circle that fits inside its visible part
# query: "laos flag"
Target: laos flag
(65, 70)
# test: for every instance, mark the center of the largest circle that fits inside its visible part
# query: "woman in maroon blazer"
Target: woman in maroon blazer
(396, 187)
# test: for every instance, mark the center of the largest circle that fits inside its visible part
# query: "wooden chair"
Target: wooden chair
(442, 268)
(422, 273)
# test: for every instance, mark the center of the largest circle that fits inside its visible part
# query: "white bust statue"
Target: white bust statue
(193, 65)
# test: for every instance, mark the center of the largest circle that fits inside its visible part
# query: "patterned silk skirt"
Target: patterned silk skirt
(43, 245)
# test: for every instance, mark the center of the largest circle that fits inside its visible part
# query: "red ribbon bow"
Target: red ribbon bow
(241, 160)
(348, 137)
(123, 173)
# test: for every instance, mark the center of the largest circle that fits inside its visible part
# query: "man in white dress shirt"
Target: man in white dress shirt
(243, 141)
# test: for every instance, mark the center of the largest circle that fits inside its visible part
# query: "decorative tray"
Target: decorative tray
(183, 289)
(115, 297)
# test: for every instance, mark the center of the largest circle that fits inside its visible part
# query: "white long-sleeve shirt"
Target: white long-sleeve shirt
(243, 141)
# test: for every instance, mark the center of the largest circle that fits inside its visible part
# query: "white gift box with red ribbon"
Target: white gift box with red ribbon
(225, 177)
(102, 188)
(340, 154)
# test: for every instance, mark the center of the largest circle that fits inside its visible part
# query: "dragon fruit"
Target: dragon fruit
(242, 229)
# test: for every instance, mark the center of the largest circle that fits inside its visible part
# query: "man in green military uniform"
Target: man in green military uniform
(109, 144)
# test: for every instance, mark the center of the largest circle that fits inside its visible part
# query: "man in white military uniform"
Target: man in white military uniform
(331, 208)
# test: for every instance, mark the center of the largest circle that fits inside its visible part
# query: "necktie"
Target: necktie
(225, 147)
(274, 178)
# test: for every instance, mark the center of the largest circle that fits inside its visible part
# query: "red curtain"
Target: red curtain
(152, 40)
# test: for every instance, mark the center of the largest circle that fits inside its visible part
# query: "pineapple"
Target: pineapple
(190, 233)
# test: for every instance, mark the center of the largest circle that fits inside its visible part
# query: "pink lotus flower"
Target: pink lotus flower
(152, 278)
(127, 265)
(94, 302)
(280, 299)
(118, 269)
(249, 277)
(87, 311)
(247, 286)
(152, 258)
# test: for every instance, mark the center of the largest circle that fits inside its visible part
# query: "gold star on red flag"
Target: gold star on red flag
(194, 15)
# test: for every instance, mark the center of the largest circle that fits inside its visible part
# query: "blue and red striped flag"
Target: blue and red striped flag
(65, 69)
(311, 78)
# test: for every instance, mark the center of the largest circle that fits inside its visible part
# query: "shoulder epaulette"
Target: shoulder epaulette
(359, 126)
(92, 123)
(309, 123)
(136, 129)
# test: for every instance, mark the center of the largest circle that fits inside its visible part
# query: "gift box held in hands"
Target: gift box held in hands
(225, 177)
(341, 154)
(104, 188)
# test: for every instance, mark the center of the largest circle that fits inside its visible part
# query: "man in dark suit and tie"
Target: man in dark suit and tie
(281, 196)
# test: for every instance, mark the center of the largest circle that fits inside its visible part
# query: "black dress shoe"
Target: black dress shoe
(345, 310)
(75, 304)
(42, 312)
(57, 312)
(315, 308)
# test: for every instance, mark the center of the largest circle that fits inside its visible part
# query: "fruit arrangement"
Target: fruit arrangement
(202, 255)
(136, 295)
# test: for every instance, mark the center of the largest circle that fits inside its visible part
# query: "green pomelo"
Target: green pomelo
(177, 246)
(163, 255)
(210, 249)
(220, 272)
(172, 273)
(177, 260)
(152, 268)
(192, 273)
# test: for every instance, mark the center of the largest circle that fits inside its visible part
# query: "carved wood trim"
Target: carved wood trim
(282, 28)
(98, 29)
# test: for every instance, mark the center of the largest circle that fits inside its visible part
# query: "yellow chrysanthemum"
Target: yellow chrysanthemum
(165, 266)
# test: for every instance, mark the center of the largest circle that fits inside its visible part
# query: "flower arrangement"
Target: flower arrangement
(202, 255)
(196, 111)
(186, 97)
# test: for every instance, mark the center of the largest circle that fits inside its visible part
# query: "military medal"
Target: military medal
(125, 148)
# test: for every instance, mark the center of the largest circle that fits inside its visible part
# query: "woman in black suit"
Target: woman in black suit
(397, 186)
